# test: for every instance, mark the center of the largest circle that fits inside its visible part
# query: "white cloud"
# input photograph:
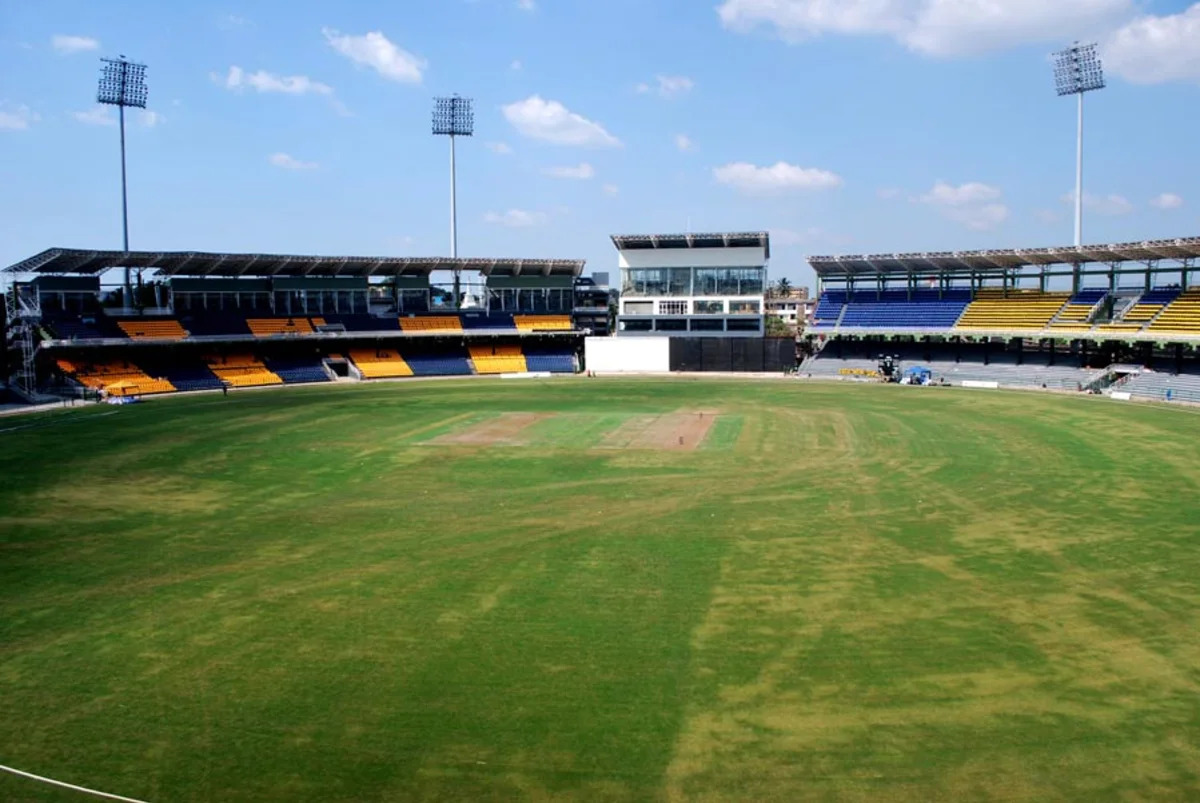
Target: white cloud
(972, 192)
(1047, 216)
(642, 88)
(791, 237)
(516, 65)
(1110, 205)
(287, 162)
(516, 218)
(779, 177)
(684, 143)
(238, 79)
(231, 22)
(974, 204)
(500, 148)
(550, 121)
(150, 119)
(887, 193)
(376, 51)
(97, 115)
(1168, 200)
(526, 5)
(931, 27)
(17, 118)
(611, 189)
(671, 85)
(582, 172)
(65, 44)
(1151, 50)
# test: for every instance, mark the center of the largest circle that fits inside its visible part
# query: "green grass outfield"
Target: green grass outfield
(846, 592)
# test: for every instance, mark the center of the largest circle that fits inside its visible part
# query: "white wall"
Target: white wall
(622, 354)
(692, 257)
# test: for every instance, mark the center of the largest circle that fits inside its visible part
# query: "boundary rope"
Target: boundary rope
(72, 786)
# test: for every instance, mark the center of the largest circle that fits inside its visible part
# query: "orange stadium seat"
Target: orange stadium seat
(116, 378)
(431, 323)
(242, 371)
(542, 323)
(380, 363)
(155, 328)
(263, 327)
(498, 359)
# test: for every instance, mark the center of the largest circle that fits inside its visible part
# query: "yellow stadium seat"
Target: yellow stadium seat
(498, 359)
(167, 329)
(991, 309)
(380, 363)
(116, 378)
(542, 323)
(431, 323)
(264, 327)
(242, 371)
(1182, 315)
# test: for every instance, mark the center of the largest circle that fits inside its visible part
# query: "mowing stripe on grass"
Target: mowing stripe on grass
(724, 433)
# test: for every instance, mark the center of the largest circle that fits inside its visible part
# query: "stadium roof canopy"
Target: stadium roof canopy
(744, 239)
(200, 264)
(974, 262)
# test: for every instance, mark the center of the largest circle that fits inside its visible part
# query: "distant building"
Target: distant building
(795, 309)
(699, 285)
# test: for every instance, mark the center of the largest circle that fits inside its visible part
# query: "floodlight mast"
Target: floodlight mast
(123, 83)
(1078, 70)
(453, 117)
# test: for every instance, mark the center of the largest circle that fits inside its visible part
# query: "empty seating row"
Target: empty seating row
(896, 309)
(298, 371)
(542, 323)
(115, 377)
(1076, 314)
(503, 359)
(431, 323)
(146, 328)
(261, 327)
(1181, 315)
(992, 309)
(242, 370)
(380, 363)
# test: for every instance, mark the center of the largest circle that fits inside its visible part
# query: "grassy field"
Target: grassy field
(842, 593)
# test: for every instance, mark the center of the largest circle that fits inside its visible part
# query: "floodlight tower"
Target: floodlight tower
(123, 83)
(1078, 70)
(453, 117)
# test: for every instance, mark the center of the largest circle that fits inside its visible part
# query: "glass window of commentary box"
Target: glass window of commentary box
(672, 308)
(656, 282)
(743, 308)
(638, 325)
(708, 325)
(639, 307)
(728, 281)
(670, 325)
(709, 307)
(742, 325)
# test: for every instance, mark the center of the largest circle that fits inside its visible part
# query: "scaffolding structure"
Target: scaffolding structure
(23, 314)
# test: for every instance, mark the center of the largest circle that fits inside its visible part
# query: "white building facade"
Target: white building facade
(695, 285)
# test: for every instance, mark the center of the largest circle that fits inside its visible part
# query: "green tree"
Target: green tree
(775, 327)
(783, 288)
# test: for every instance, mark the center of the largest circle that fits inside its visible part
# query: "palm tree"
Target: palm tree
(783, 288)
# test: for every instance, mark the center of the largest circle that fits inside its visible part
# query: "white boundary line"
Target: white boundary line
(64, 785)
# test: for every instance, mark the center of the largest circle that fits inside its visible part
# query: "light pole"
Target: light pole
(1078, 70)
(453, 117)
(123, 83)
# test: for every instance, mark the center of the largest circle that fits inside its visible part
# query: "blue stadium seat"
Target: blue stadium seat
(298, 372)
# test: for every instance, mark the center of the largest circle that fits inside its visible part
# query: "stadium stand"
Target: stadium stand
(215, 324)
(497, 359)
(263, 327)
(67, 329)
(152, 328)
(115, 377)
(1157, 386)
(1149, 305)
(955, 364)
(542, 323)
(431, 323)
(298, 371)
(894, 309)
(829, 308)
(1027, 309)
(549, 359)
(364, 323)
(1077, 314)
(493, 321)
(379, 363)
(447, 362)
(1180, 315)
(242, 370)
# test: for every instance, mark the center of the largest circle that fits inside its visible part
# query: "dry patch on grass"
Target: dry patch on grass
(680, 431)
(506, 429)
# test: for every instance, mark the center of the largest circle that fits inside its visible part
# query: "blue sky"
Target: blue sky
(839, 125)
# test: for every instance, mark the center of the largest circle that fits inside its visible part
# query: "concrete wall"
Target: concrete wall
(621, 355)
(692, 258)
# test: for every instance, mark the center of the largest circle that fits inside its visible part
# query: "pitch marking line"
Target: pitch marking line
(66, 785)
